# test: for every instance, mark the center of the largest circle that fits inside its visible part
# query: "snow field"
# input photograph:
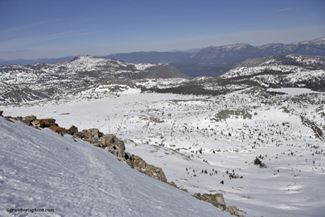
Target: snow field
(180, 135)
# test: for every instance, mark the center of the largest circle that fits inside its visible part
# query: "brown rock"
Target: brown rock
(58, 129)
(173, 184)
(42, 123)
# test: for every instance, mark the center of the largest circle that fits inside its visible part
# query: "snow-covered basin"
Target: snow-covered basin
(41, 170)
(292, 90)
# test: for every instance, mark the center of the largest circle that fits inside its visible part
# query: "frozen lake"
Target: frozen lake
(292, 91)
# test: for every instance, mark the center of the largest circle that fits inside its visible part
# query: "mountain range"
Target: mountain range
(239, 52)
(226, 55)
(90, 75)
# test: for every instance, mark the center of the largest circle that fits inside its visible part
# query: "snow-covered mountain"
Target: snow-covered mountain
(235, 53)
(282, 71)
(40, 81)
(44, 174)
(225, 55)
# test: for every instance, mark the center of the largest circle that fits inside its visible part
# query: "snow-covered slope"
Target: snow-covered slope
(40, 169)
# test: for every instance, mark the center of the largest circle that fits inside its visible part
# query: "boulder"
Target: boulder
(1, 113)
(233, 210)
(138, 163)
(91, 135)
(43, 122)
(115, 146)
(28, 119)
(218, 201)
(58, 129)
(215, 199)
(107, 139)
(173, 184)
(73, 130)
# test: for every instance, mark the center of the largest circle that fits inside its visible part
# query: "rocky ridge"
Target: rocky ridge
(115, 146)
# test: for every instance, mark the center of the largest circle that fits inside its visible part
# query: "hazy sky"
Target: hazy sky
(55, 28)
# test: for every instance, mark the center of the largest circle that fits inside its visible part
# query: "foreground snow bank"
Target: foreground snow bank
(40, 169)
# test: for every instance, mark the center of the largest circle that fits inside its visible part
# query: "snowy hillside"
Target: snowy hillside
(41, 170)
(282, 71)
(43, 81)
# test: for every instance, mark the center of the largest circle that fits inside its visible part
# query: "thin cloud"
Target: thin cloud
(17, 51)
(33, 40)
(19, 28)
(287, 9)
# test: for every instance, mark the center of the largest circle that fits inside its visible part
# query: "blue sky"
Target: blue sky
(32, 29)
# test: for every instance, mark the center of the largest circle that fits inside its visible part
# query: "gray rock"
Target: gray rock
(91, 135)
(233, 210)
(215, 199)
(116, 147)
(28, 119)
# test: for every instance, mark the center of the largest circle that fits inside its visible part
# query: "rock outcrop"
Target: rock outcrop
(218, 201)
(215, 199)
(148, 169)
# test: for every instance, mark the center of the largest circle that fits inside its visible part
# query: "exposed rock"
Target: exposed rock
(107, 139)
(218, 201)
(148, 169)
(43, 122)
(215, 199)
(73, 130)
(117, 148)
(1, 113)
(28, 119)
(173, 184)
(91, 135)
(58, 129)
(233, 210)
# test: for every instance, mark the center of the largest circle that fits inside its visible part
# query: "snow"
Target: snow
(40, 169)
(170, 131)
(292, 91)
